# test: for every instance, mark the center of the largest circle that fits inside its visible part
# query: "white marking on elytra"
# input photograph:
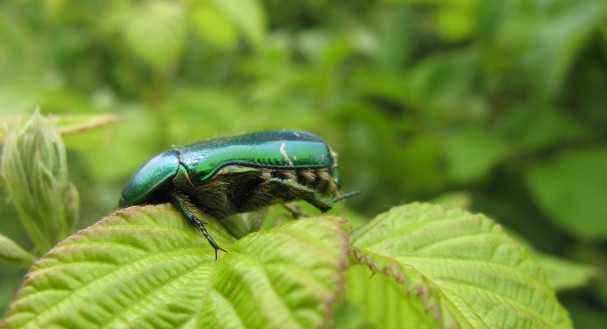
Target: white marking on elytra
(285, 155)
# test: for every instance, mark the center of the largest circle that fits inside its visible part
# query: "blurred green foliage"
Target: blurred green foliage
(499, 102)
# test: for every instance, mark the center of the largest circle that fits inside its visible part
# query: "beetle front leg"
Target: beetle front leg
(344, 196)
(310, 196)
(305, 193)
(295, 211)
(181, 203)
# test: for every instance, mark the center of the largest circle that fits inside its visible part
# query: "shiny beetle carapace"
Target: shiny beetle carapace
(230, 175)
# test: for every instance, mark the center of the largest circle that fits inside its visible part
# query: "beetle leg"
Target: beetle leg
(345, 196)
(305, 193)
(295, 211)
(180, 202)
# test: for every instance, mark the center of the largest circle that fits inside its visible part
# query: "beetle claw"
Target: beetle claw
(200, 226)
(181, 204)
(216, 247)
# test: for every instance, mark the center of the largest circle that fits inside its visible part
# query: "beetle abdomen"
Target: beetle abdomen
(319, 179)
(236, 189)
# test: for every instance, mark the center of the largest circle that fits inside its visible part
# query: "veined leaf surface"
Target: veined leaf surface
(147, 267)
(462, 267)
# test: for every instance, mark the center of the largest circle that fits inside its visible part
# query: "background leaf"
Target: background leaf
(155, 32)
(472, 152)
(214, 26)
(571, 189)
(246, 14)
(79, 125)
(12, 253)
(565, 274)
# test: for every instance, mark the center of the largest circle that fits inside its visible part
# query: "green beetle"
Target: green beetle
(230, 175)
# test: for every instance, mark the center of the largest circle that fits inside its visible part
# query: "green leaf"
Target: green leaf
(561, 273)
(148, 267)
(472, 152)
(545, 128)
(155, 31)
(462, 268)
(11, 252)
(444, 87)
(570, 189)
(248, 15)
(384, 302)
(462, 200)
(75, 129)
(85, 131)
(556, 42)
(456, 19)
(214, 26)
(565, 274)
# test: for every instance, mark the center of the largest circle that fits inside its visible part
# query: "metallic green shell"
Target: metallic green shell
(287, 149)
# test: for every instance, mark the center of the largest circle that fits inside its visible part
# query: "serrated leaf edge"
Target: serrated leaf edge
(393, 270)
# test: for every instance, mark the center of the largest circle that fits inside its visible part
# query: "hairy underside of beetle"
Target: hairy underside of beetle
(236, 189)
